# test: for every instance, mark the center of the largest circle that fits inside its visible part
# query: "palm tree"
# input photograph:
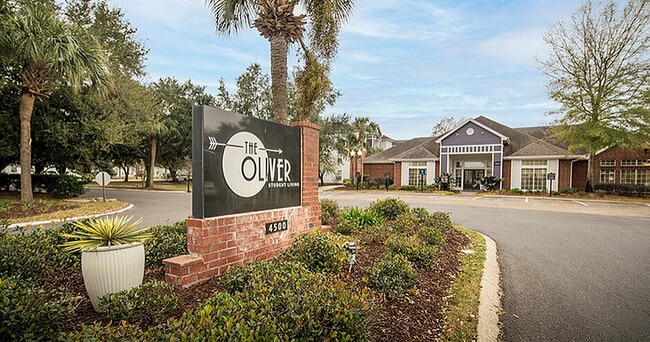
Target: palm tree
(364, 127)
(45, 52)
(276, 21)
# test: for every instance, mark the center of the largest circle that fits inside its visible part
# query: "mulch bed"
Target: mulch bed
(17, 210)
(413, 318)
(417, 317)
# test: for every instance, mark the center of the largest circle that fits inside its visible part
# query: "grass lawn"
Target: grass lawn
(138, 184)
(45, 208)
(461, 306)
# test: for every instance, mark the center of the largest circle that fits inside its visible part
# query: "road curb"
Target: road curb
(38, 223)
(490, 297)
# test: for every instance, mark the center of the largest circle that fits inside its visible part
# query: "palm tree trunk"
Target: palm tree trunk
(279, 78)
(152, 162)
(26, 109)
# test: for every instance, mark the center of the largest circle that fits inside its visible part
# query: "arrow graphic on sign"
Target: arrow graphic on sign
(279, 151)
(213, 144)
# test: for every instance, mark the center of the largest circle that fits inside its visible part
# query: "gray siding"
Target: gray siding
(480, 137)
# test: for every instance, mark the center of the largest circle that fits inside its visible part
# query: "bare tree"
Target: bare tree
(598, 69)
(446, 124)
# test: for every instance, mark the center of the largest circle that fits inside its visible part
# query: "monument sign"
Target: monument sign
(243, 164)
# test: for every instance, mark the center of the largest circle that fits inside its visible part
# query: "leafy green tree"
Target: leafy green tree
(9, 139)
(598, 70)
(364, 127)
(314, 89)
(276, 21)
(333, 147)
(124, 116)
(253, 95)
(45, 52)
(171, 145)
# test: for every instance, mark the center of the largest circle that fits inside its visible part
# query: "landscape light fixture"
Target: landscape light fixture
(352, 253)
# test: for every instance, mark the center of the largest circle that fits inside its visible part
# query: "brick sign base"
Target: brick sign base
(217, 243)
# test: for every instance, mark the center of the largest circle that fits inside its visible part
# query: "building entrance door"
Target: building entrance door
(470, 177)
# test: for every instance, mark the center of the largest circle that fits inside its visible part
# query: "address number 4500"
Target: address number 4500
(274, 227)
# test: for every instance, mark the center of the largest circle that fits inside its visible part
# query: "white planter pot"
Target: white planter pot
(112, 269)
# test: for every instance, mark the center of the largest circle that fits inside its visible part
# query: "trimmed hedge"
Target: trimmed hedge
(35, 255)
(623, 189)
(60, 186)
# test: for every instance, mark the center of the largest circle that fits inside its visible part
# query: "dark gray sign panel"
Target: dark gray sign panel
(243, 164)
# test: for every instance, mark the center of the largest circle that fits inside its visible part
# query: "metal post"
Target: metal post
(104, 187)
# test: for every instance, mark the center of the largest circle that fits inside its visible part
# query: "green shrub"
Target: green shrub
(318, 253)
(567, 191)
(405, 224)
(417, 252)
(122, 331)
(330, 212)
(374, 234)
(363, 217)
(35, 255)
(28, 313)
(389, 208)
(600, 193)
(280, 301)
(348, 183)
(421, 213)
(166, 242)
(516, 191)
(439, 220)
(431, 236)
(67, 186)
(346, 226)
(408, 187)
(150, 304)
(393, 275)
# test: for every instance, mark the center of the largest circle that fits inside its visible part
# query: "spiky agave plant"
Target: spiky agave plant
(107, 231)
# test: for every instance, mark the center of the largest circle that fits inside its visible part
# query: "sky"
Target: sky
(403, 64)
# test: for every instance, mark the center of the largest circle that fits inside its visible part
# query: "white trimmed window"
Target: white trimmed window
(533, 175)
(414, 172)
(608, 163)
(631, 162)
(607, 175)
(635, 176)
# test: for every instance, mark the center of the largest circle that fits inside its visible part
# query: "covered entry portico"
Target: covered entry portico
(471, 152)
(467, 169)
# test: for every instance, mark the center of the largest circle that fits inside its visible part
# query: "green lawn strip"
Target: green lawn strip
(137, 185)
(84, 209)
(461, 305)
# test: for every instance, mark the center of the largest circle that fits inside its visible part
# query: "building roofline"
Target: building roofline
(572, 156)
(444, 136)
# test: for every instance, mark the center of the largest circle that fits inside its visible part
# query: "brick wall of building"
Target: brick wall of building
(507, 167)
(398, 174)
(618, 155)
(379, 170)
(564, 174)
(217, 243)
